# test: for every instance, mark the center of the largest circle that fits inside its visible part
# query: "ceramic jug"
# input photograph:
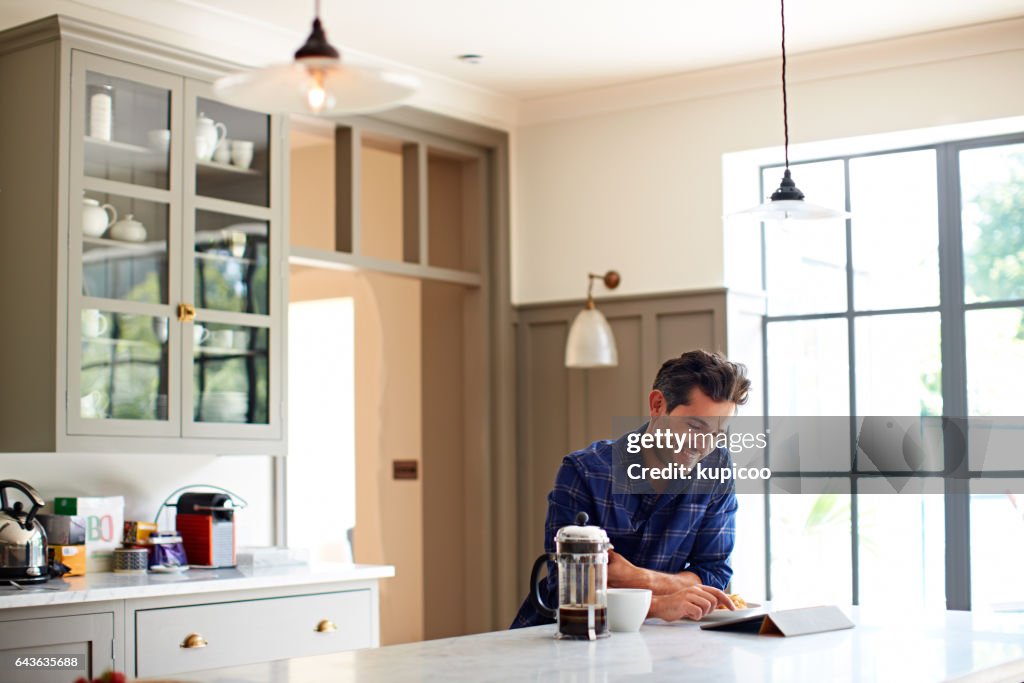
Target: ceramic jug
(208, 135)
(95, 218)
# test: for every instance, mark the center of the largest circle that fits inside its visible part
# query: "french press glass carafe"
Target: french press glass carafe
(581, 553)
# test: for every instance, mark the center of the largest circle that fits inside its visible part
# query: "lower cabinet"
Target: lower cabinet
(204, 628)
(172, 640)
(56, 649)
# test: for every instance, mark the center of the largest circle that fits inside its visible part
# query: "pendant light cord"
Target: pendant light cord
(785, 108)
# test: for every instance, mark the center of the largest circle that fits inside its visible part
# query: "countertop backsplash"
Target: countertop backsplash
(145, 480)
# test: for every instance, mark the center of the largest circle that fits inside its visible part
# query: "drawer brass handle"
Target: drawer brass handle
(326, 626)
(186, 313)
(192, 641)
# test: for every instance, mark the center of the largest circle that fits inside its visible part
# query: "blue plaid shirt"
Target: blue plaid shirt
(687, 528)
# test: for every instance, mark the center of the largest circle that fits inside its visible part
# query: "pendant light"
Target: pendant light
(787, 202)
(317, 82)
(591, 343)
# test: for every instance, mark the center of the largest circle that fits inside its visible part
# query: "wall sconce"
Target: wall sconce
(591, 343)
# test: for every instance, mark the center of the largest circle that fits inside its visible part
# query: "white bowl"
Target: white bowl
(627, 608)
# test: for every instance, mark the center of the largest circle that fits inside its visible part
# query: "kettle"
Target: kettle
(22, 537)
(582, 560)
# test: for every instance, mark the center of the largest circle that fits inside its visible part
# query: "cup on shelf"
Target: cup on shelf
(94, 323)
(222, 154)
(204, 148)
(241, 153)
(94, 404)
(161, 329)
(241, 340)
(199, 334)
(159, 139)
(222, 339)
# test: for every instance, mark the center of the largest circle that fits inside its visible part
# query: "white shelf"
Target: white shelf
(227, 168)
(124, 153)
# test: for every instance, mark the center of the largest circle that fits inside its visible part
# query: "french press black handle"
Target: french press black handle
(536, 598)
(535, 588)
(37, 500)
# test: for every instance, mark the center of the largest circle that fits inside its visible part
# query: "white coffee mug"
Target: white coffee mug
(627, 608)
(199, 334)
(241, 153)
(159, 139)
(204, 148)
(94, 404)
(222, 339)
(94, 323)
(222, 155)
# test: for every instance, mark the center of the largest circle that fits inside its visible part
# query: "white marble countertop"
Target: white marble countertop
(886, 645)
(110, 586)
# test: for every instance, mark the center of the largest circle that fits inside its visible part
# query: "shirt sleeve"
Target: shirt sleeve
(715, 538)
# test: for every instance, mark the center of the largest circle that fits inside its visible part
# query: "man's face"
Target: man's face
(697, 423)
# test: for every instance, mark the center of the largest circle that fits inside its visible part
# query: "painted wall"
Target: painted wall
(145, 480)
(388, 373)
(632, 178)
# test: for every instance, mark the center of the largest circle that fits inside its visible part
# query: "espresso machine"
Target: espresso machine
(581, 555)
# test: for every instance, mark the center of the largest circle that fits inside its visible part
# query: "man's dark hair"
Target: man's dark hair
(720, 379)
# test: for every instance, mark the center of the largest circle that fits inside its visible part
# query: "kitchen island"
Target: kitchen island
(885, 645)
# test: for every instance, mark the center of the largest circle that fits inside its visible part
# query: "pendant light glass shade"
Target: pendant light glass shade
(317, 82)
(787, 202)
(591, 343)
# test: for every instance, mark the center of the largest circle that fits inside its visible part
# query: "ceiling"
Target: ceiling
(536, 48)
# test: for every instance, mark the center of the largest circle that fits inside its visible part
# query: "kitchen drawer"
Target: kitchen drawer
(250, 631)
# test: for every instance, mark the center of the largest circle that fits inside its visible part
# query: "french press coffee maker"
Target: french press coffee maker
(581, 553)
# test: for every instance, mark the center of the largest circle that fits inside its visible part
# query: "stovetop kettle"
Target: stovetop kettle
(22, 537)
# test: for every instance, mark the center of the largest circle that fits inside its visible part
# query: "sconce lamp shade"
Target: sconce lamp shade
(591, 343)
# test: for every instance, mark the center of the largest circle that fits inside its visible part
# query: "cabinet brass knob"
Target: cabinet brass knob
(186, 313)
(192, 641)
(326, 626)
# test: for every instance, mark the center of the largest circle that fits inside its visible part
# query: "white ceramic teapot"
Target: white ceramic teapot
(95, 218)
(208, 135)
(128, 230)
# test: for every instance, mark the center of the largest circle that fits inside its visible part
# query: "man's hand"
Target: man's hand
(694, 602)
(622, 573)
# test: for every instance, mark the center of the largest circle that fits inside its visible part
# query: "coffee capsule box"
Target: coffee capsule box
(63, 529)
(73, 556)
(137, 533)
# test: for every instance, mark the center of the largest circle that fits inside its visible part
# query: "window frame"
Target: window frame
(952, 309)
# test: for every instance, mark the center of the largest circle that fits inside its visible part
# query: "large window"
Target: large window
(913, 307)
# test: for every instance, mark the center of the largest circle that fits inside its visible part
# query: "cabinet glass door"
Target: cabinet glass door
(232, 153)
(127, 130)
(124, 368)
(124, 269)
(231, 241)
(230, 374)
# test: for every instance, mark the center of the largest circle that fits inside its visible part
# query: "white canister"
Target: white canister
(101, 112)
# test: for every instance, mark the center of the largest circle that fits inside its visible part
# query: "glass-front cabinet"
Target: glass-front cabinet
(174, 310)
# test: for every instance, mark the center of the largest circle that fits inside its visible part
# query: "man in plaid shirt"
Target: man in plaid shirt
(671, 536)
